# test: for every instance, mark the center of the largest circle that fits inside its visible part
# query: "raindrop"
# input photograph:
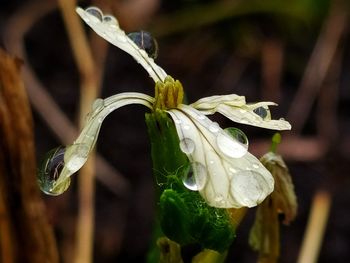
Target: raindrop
(177, 121)
(50, 170)
(249, 187)
(187, 145)
(97, 104)
(263, 112)
(232, 142)
(196, 177)
(238, 135)
(95, 12)
(256, 166)
(110, 20)
(214, 127)
(145, 41)
(186, 127)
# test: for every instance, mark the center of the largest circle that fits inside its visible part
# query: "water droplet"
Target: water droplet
(211, 162)
(256, 166)
(232, 142)
(249, 187)
(50, 171)
(110, 20)
(238, 135)
(95, 12)
(186, 127)
(282, 119)
(145, 41)
(242, 111)
(214, 127)
(233, 170)
(196, 177)
(177, 121)
(187, 145)
(97, 104)
(263, 112)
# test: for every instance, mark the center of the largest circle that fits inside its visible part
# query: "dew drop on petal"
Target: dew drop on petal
(232, 142)
(256, 166)
(95, 12)
(145, 41)
(50, 170)
(97, 104)
(196, 177)
(263, 112)
(214, 127)
(238, 135)
(249, 188)
(110, 20)
(187, 145)
(186, 127)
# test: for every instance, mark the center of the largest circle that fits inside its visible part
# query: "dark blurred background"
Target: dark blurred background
(293, 52)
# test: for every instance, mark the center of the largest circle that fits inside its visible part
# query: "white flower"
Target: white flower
(226, 174)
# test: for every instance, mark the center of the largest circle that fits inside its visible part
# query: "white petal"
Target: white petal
(235, 108)
(231, 182)
(210, 103)
(77, 154)
(116, 36)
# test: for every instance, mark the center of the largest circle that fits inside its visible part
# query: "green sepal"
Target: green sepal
(166, 154)
(183, 214)
(175, 217)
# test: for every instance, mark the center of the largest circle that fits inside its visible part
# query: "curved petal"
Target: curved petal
(235, 108)
(77, 154)
(225, 181)
(110, 31)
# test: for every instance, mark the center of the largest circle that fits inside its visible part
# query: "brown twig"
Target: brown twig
(17, 26)
(318, 66)
(315, 228)
(89, 89)
(27, 237)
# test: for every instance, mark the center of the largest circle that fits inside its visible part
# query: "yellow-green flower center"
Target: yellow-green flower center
(168, 94)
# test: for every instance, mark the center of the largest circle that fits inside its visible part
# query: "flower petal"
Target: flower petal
(229, 181)
(77, 154)
(235, 108)
(109, 30)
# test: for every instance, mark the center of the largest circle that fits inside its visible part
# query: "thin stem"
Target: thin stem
(315, 228)
(88, 93)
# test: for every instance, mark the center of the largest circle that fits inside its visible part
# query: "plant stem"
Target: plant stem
(315, 228)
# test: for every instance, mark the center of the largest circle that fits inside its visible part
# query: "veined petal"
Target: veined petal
(226, 181)
(210, 103)
(77, 154)
(235, 108)
(110, 31)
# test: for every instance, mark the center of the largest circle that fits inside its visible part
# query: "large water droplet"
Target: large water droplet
(110, 20)
(187, 145)
(249, 188)
(145, 41)
(196, 177)
(263, 112)
(50, 170)
(232, 142)
(95, 12)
